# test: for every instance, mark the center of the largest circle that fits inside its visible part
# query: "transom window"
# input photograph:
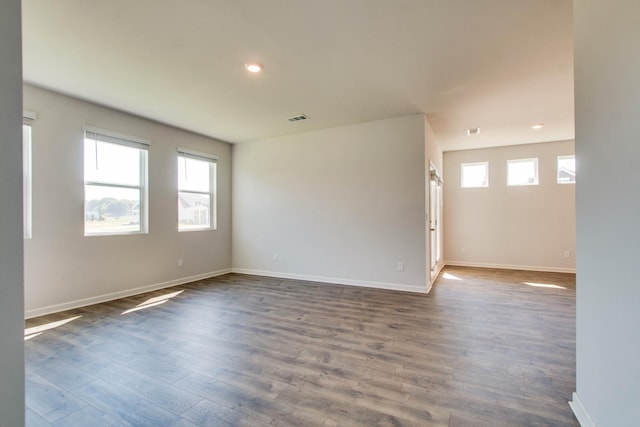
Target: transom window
(474, 175)
(196, 190)
(522, 172)
(115, 183)
(566, 169)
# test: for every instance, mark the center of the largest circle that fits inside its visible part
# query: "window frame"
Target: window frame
(142, 145)
(212, 160)
(566, 156)
(462, 167)
(536, 172)
(27, 175)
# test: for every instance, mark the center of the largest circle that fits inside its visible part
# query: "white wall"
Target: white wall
(62, 267)
(432, 148)
(515, 227)
(11, 289)
(433, 156)
(607, 36)
(342, 204)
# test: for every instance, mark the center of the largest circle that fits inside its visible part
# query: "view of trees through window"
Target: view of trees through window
(114, 178)
(110, 207)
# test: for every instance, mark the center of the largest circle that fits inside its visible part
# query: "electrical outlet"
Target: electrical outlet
(567, 254)
(400, 266)
(180, 262)
(275, 257)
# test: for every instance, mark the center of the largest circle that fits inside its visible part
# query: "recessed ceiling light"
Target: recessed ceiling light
(253, 67)
(473, 131)
(537, 126)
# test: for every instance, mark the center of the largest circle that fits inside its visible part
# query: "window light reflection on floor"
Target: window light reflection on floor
(28, 337)
(152, 302)
(450, 276)
(544, 285)
(37, 330)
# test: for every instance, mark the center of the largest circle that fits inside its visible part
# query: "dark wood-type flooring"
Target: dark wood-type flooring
(483, 349)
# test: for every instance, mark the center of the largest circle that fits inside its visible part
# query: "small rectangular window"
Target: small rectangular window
(474, 175)
(566, 169)
(115, 183)
(196, 191)
(26, 180)
(522, 172)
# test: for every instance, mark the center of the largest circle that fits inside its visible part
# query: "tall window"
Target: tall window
(475, 175)
(567, 169)
(196, 190)
(26, 180)
(115, 183)
(522, 172)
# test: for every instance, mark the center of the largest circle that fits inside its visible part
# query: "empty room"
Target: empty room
(335, 213)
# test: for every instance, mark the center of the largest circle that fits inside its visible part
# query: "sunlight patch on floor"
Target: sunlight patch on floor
(450, 276)
(152, 302)
(37, 330)
(544, 285)
(28, 337)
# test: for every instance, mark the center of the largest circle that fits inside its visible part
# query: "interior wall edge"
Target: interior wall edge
(12, 366)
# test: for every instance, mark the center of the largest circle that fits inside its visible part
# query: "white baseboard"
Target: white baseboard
(120, 294)
(439, 268)
(581, 414)
(335, 280)
(511, 267)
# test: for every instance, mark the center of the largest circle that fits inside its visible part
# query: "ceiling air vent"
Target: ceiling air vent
(298, 118)
(473, 131)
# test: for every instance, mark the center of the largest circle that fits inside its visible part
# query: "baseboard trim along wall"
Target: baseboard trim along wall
(335, 280)
(120, 294)
(439, 268)
(581, 414)
(511, 267)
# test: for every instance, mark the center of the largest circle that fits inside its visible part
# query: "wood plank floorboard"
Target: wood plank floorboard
(485, 348)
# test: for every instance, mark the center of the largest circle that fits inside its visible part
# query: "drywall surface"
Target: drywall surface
(607, 35)
(11, 277)
(434, 156)
(344, 204)
(513, 227)
(63, 266)
(432, 148)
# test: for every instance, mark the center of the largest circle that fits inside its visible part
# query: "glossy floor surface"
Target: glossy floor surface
(484, 348)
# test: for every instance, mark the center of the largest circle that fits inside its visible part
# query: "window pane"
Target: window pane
(522, 172)
(111, 210)
(193, 175)
(194, 211)
(475, 175)
(111, 163)
(566, 169)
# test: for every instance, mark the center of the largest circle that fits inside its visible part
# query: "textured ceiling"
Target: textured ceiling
(501, 65)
